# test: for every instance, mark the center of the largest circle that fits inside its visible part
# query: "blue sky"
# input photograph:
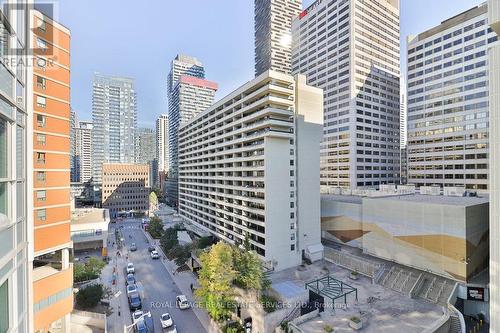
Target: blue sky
(138, 39)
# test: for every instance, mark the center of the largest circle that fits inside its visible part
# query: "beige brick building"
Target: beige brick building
(125, 188)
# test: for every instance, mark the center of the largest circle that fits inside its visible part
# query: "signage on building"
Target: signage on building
(475, 294)
(311, 7)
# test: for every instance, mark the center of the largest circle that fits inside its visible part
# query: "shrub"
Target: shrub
(269, 303)
(89, 297)
(328, 329)
(88, 271)
(180, 253)
(355, 319)
(155, 227)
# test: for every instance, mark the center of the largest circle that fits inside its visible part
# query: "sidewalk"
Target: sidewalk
(183, 280)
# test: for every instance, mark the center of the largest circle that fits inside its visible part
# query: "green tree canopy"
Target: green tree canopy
(155, 227)
(169, 239)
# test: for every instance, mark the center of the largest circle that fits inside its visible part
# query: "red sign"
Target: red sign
(304, 13)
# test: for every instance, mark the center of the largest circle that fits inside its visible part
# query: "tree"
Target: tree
(169, 239)
(215, 277)
(88, 271)
(90, 296)
(203, 242)
(155, 227)
(181, 253)
(248, 265)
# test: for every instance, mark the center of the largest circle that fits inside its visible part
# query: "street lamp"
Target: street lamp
(126, 328)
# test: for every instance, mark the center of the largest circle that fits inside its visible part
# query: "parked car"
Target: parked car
(130, 279)
(133, 247)
(130, 268)
(155, 255)
(171, 329)
(182, 302)
(166, 320)
(134, 301)
(131, 287)
(151, 248)
(136, 315)
(141, 326)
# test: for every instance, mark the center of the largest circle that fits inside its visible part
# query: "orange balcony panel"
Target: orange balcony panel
(52, 179)
(52, 34)
(54, 54)
(54, 71)
(50, 161)
(52, 143)
(51, 236)
(48, 286)
(51, 124)
(53, 215)
(52, 198)
(51, 88)
(53, 107)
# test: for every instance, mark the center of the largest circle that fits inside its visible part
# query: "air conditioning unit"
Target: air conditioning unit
(20, 100)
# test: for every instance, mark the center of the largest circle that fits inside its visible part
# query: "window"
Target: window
(292, 247)
(292, 236)
(41, 44)
(41, 139)
(41, 215)
(40, 120)
(292, 226)
(4, 307)
(40, 158)
(3, 148)
(42, 26)
(41, 101)
(41, 63)
(40, 176)
(40, 82)
(41, 195)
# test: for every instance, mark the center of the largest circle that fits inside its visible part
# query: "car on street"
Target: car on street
(130, 279)
(166, 320)
(151, 248)
(182, 302)
(133, 247)
(171, 329)
(134, 301)
(155, 255)
(141, 326)
(131, 288)
(136, 315)
(130, 268)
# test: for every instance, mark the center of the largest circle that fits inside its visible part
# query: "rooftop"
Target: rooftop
(89, 215)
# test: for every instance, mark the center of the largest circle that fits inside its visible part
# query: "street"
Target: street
(159, 288)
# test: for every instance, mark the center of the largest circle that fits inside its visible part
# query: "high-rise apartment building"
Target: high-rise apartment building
(125, 188)
(448, 132)
(72, 134)
(248, 166)
(145, 145)
(190, 94)
(494, 103)
(83, 148)
(114, 118)
(403, 119)
(350, 49)
(273, 36)
(162, 142)
(15, 156)
(52, 274)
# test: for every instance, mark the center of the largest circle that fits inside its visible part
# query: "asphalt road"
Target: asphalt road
(159, 288)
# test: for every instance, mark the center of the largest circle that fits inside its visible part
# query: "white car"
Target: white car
(155, 254)
(130, 268)
(136, 315)
(172, 329)
(182, 302)
(131, 288)
(166, 320)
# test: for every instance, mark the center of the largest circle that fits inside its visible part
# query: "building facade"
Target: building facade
(83, 149)
(125, 188)
(249, 165)
(75, 176)
(15, 231)
(114, 118)
(145, 145)
(89, 229)
(273, 36)
(52, 272)
(350, 49)
(189, 96)
(494, 84)
(448, 132)
(162, 142)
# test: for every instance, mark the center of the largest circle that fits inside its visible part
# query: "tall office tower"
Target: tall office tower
(403, 123)
(162, 142)
(350, 49)
(114, 118)
(494, 70)
(74, 175)
(52, 274)
(189, 94)
(15, 161)
(273, 36)
(448, 102)
(84, 151)
(145, 145)
(259, 152)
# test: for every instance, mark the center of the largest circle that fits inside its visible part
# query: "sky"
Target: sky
(138, 39)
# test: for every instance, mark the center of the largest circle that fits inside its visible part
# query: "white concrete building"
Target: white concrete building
(448, 102)
(89, 229)
(350, 49)
(250, 165)
(83, 151)
(273, 37)
(494, 74)
(162, 142)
